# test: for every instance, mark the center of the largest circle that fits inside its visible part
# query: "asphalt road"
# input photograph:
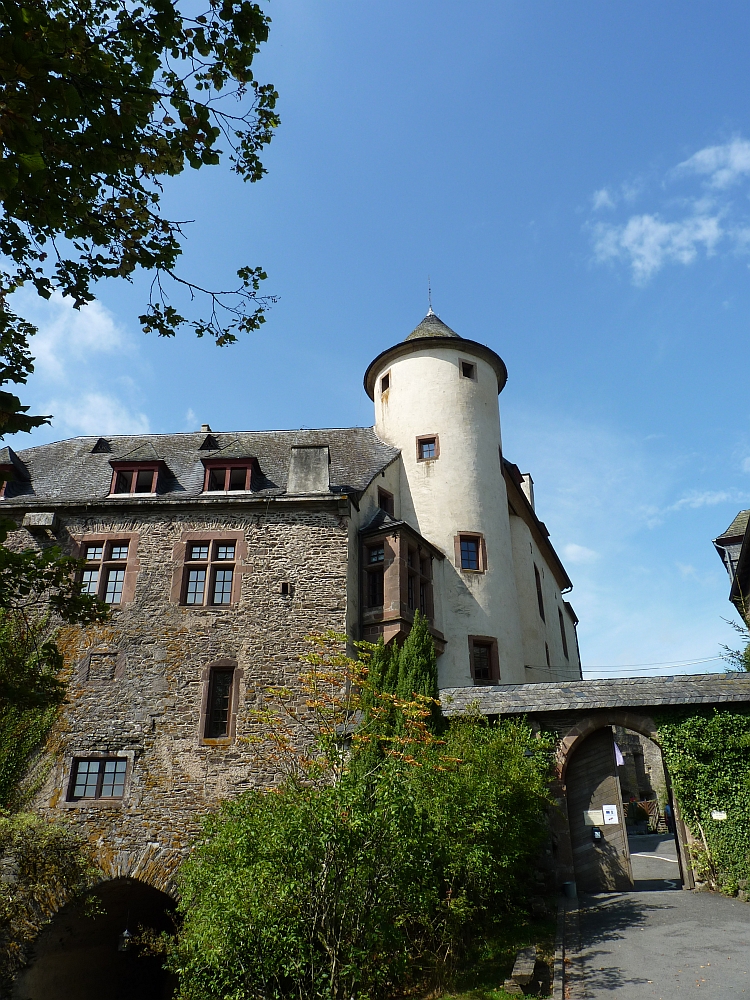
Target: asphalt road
(659, 942)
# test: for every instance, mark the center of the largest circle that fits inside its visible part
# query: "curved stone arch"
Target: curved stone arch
(573, 737)
(154, 866)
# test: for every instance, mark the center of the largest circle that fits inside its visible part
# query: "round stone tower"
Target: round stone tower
(435, 399)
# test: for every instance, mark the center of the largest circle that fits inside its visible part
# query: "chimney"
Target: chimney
(205, 429)
(527, 485)
(308, 469)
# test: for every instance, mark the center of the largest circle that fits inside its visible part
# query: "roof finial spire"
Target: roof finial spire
(429, 297)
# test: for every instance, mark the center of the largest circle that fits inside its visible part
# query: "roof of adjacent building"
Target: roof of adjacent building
(620, 692)
(79, 470)
(737, 528)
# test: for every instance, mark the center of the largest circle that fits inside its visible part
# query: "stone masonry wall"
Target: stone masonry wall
(138, 682)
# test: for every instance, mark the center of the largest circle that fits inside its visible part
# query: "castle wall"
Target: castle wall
(138, 682)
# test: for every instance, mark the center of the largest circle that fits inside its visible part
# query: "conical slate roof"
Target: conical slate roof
(432, 326)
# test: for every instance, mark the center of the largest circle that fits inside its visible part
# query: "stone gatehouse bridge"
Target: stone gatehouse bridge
(582, 714)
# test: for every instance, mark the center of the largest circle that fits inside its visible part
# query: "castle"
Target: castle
(219, 552)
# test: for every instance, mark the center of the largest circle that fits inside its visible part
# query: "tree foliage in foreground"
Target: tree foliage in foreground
(100, 101)
(361, 872)
(44, 865)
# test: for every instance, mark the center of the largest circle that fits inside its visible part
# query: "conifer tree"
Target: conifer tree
(417, 667)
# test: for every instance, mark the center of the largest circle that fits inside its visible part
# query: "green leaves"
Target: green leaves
(707, 753)
(98, 102)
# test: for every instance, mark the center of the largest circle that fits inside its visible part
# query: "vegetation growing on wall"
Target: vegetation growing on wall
(707, 752)
(382, 859)
(42, 866)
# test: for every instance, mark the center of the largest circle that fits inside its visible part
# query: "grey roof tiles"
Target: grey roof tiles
(76, 471)
(566, 696)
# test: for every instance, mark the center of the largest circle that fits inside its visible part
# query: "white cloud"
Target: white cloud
(746, 465)
(723, 165)
(602, 199)
(708, 498)
(69, 338)
(97, 413)
(579, 554)
(647, 243)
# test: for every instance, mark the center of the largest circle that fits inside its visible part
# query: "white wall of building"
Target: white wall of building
(461, 491)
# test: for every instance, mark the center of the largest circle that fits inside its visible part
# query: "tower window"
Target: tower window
(546, 653)
(470, 553)
(468, 370)
(385, 382)
(539, 595)
(562, 634)
(428, 448)
(483, 659)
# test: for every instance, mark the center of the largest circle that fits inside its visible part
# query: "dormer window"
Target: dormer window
(129, 479)
(228, 477)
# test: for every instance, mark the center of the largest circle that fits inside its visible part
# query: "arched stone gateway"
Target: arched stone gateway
(85, 954)
(586, 788)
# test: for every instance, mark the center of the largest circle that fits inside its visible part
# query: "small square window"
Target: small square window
(225, 550)
(385, 382)
(115, 580)
(119, 550)
(144, 481)
(468, 370)
(483, 659)
(427, 448)
(99, 779)
(199, 551)
(223, 586)
(469, 553)
(385, 501)
(376, 554)
(94, 551)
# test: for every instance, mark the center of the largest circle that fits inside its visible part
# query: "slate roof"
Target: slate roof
(620, 692)
(71, 472)
(737, 528)
(432, 326)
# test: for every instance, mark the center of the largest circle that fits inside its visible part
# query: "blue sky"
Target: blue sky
(575, 178)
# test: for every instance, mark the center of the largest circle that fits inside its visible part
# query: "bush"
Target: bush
(351, 889)
(707, 753)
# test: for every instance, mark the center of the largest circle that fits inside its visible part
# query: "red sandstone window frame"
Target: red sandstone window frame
(131, 565)
(136, 468)
(183, 563)
(221, 665)
(212, 465)
(424, 439)
(481, 551)
(489, 643)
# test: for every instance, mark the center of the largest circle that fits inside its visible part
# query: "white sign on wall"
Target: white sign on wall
(610, 815)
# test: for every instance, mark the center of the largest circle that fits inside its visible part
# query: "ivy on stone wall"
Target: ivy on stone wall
(707, 752)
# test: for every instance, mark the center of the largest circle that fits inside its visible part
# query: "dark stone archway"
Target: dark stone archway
(76, 956)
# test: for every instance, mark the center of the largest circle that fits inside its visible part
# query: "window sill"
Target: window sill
(129, 496)
(224, 741)
(473, 572)
(109, 803)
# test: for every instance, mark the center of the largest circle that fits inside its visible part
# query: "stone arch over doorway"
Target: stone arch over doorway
(579, 759)
(79, 954)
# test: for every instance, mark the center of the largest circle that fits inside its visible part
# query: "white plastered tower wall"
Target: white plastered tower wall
(461, 491)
